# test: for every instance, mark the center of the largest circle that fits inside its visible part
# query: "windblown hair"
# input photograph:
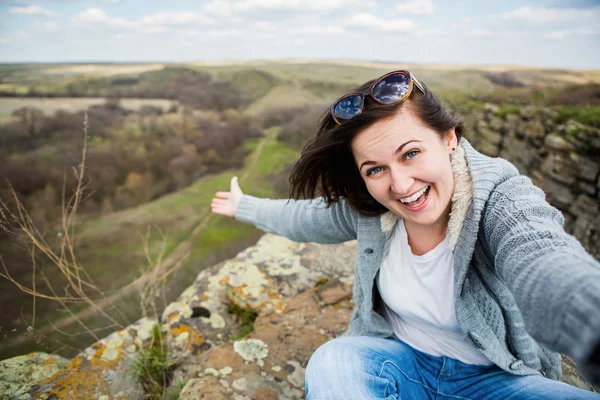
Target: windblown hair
(326, 167)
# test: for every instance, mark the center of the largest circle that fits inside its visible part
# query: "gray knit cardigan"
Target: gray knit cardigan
(524, 288)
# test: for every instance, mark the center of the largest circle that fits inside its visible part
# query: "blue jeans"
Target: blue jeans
(366, 368)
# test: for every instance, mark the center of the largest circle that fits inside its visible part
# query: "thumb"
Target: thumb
(235, 187)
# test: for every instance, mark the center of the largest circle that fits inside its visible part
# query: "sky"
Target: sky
(546, 33)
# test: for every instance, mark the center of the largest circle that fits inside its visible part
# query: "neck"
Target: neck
(424, 238)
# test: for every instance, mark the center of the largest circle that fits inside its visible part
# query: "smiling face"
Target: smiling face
(406, 167)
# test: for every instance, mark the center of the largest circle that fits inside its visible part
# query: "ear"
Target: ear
(451, 141)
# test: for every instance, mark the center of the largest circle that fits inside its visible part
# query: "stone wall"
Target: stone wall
(562, 159)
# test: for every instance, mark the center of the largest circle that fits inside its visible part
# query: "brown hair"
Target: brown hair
(326, 167)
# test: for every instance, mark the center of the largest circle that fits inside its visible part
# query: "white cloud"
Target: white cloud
(249, 5)
(21, 35)
(125, 36)
(219, 8)
(155, 30)
(318, 30)
(223, 33)
(542, 16)
(548, 23)
(180, 44)
(461, 25)
(263, 36)
(97, 17)
(222, 8)
(588, 31)
(192, 33)
(31, 10)
(48, 27)
(176, 18)
(92, 15)
(265, 26)
(369, 21)
(557, 35)
(427, 32)
(480, 32)
(465, 26)
(156, 23)
(417, 7)
(330, 5)
(565, 33)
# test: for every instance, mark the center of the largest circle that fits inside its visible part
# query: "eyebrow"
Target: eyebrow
(398, 150)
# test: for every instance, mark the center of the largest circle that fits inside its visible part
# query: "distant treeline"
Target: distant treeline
(192, 88)
(132, 158)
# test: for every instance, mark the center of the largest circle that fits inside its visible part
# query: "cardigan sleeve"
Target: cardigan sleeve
(554, 281)
(300, 220)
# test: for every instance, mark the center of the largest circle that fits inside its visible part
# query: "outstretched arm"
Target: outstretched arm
(555, 282)
(298, 220)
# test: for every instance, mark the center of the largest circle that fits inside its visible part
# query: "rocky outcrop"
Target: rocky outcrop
(102, 371)
(19, 374)
(301, 293)
(562, 159)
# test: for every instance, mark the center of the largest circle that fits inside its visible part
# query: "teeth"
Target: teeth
(414, 196)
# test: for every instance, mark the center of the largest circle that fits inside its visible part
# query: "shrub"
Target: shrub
(586, 115)
(153, 366)
(302, 127)
(245, 317)
(506, 109)
(280, 116)
(505, 79)
(575, 95)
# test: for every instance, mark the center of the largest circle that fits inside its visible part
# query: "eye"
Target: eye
(372, 170)
(411, 154)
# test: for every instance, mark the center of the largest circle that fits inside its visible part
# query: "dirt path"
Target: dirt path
(178, 255)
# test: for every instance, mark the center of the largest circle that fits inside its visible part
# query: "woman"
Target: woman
(466, 284)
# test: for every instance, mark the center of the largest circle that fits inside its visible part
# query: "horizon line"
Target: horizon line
(366, 63)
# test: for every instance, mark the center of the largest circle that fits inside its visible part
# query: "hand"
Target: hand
(226, 202)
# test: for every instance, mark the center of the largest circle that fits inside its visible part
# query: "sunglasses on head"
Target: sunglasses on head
(391, 88)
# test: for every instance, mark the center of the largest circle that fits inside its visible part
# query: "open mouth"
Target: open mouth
(419, 201)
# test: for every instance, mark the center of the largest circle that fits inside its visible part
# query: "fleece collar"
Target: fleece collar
(461, 199)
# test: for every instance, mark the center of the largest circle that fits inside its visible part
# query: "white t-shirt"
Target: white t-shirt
(418, 297)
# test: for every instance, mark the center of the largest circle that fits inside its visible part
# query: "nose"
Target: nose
(401, 183)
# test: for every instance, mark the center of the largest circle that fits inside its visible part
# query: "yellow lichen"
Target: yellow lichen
(186, 338)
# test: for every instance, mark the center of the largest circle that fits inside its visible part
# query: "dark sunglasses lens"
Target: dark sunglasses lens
(348, 107)
(391, 88)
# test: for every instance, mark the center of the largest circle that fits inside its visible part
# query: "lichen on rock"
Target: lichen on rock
(19, 374)
(251, 350)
